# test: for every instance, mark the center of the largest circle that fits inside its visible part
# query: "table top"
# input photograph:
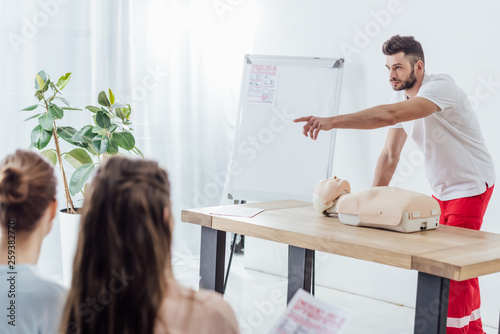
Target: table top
(450, 252)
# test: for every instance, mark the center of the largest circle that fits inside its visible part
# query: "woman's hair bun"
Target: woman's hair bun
(13, 186)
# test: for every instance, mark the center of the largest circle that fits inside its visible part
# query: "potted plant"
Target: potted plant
(90, 144)
(107, 135)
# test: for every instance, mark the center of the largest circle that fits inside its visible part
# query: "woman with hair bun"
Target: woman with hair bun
(122, 273)
(28, 206)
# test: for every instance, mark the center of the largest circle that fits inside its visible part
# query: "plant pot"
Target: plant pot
(69, 227)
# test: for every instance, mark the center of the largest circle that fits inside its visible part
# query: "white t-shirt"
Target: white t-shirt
(38, 302)
(457, 162)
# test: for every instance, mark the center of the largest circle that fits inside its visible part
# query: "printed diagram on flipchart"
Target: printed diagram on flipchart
(262, 84)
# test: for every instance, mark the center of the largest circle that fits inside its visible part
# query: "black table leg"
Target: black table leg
(212, 259)
(432, 304)
(300, 263)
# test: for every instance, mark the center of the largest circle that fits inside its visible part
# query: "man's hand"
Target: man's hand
(314, 125)
(371, 118)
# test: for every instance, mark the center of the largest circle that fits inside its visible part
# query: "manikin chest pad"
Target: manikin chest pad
(381, 207)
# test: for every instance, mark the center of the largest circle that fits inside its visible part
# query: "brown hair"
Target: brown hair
(406, 44)
(123, 234)
(27, 187)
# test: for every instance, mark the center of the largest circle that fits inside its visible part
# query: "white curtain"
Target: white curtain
(177, 62)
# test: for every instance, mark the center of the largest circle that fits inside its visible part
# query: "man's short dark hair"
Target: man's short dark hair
(406, 44)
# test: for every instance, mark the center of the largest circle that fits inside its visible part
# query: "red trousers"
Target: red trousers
(464, 303)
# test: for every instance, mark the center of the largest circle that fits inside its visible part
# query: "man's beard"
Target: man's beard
(408, 82)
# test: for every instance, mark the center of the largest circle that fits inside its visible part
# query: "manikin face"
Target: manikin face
(401, 73)
(331, 188)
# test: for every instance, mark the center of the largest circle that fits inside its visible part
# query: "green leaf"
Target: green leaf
(30, 108)
(102, 99)
(63, 100)
(85, 135)
(40, 137)
(46, 121)
(98, 129)
(93, 109)
(78, 157)
(39, 82)
(120, 113)
(100, 144)
(124, 113)
(127, 111)
(80, 177)
(124, 139)
(34, 116)
(70, 108)
(50, 155)
(63, 81)
(111, 97)
(43, 75)
(138, 152)
(54, 88)
(91, 149)
(113, 146)
(112, 127)
(103, 120)
(46, 86)
(56, 111)
(39, 95)
(66, 133)
(40, 79)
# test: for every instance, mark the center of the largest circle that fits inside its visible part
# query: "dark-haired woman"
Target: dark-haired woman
(122, 274)
(27, 207)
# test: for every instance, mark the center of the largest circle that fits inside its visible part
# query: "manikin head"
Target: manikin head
(405, 61)
(326, 193)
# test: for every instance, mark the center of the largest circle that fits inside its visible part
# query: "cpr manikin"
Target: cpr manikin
(382, 207)
(327, 192)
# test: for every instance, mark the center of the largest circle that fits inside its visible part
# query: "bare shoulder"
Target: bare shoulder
(208, 308)
(208, 297)
(216, 305)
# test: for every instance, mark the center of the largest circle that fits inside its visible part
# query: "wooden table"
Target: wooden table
(438, 255)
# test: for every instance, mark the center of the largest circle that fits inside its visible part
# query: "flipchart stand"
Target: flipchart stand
(271, 159)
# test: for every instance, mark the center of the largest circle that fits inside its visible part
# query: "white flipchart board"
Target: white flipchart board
(272, 159)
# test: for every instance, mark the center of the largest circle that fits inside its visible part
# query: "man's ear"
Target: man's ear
(420, 65)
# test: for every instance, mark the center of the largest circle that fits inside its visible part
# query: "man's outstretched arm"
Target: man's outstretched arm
(389, 157)
(371, 118)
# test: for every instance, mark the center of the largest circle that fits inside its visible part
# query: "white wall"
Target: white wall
(459, 38)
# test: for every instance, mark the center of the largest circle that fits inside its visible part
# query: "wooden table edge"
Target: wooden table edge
(202, 216)
(429, 263)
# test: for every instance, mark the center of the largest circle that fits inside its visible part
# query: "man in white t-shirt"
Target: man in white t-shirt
(437, 115)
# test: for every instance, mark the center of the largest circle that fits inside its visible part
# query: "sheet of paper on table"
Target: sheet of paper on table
(236, 211)
(308, 315)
